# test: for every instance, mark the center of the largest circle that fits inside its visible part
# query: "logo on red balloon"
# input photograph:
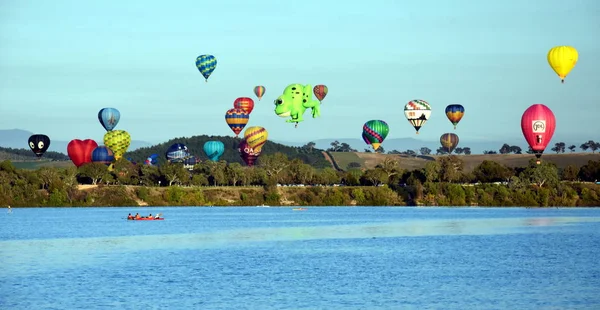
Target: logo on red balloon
(539, 126)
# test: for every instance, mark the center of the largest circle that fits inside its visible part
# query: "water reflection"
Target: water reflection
(35, 255)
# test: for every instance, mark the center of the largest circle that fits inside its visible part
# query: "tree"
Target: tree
(590, 172)
(274, 164)
(594, 146)
(173, 172)
(559, 147)
(234, 172)
(505, 149)
(585, 146)
(94, 171)
(543, 174)
(490, 171)
(380, 150)
(390, 167)
(441, 151)
(335, 146)
(489, 152)
(516, 149)
(345, 147)
(425, 151)
(572, 148)
(309, 146)
(375, 176)
(368, 151)
(570, 173)
(529, 150)
(353, 165)
(431, 171)
(450, 168)
(467, 150)
(458, 150)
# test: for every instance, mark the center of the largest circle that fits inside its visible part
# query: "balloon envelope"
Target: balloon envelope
(449, 142)
(247, 153)
(455, 113)
(259, 91)
(39, 144)
(118, 141)
(80, 151)
(103, 155)
(417, 113)
(109, 118)
(214, 149)
(375, 132)
(256, 137)
(244, 103)
(177, 153)
(236, 119)
(538, 124)
(320, 92)
(206, 64)
(562, 59)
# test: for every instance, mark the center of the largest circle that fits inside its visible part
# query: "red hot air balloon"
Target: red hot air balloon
(244, 103)
(80, 151)
(538, 124)
(247, 153)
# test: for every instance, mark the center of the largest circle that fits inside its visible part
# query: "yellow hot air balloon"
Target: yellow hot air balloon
(562, 59)
(256, 137)
(118, 141)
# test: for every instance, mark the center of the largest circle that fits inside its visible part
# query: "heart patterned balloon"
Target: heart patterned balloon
(80, 151)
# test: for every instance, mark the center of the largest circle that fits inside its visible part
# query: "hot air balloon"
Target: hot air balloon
(562, 59)
(177, 153)
(375, 132)
(320, 92)
(236, 119)
(538, 124)
(247, 153)
(449, 142)
(109, 118)
(103, 155)
(364, 137)
(206, 64)
(39, 144)
(152, 160)
(118, 141)
(189, 162)
(244, 103)
(214, 149)
(455, 113)
(80, 151)
(256, 137)
(417, 112)
(259, 91)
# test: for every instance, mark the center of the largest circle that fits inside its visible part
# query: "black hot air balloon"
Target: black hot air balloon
(39, 144)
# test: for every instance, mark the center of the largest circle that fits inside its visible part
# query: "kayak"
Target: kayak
(146, 219)
(299, 209)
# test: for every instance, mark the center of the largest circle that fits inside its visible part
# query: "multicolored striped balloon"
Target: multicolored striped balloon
(256, 137)
(455, 113)
(320, 92)
(259, 91)
(375, 132)
(417, 113)
(206, 64)
(118, 141)
(449, 142)
(244, 103)
(237, 119)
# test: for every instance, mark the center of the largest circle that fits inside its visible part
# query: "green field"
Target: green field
(33, 165)
(343, 159)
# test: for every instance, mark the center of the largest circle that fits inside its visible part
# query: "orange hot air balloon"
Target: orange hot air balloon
(259, 91)
(244, 103)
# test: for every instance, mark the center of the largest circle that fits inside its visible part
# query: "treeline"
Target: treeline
(441, 182)
(309, 155)
(7, 153)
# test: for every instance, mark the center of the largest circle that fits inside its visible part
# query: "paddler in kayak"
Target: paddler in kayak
(137, 216)
(130, 217)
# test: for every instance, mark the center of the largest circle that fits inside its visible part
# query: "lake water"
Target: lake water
(320, 258)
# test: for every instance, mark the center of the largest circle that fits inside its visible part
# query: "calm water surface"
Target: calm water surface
(321, 258)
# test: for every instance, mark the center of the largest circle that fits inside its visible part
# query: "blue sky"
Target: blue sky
(62, 61)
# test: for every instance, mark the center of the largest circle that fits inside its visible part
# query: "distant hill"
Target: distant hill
(370, 160)
(17, 138)
(195, 145)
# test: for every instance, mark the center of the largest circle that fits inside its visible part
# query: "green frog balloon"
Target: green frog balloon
(295, 100)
